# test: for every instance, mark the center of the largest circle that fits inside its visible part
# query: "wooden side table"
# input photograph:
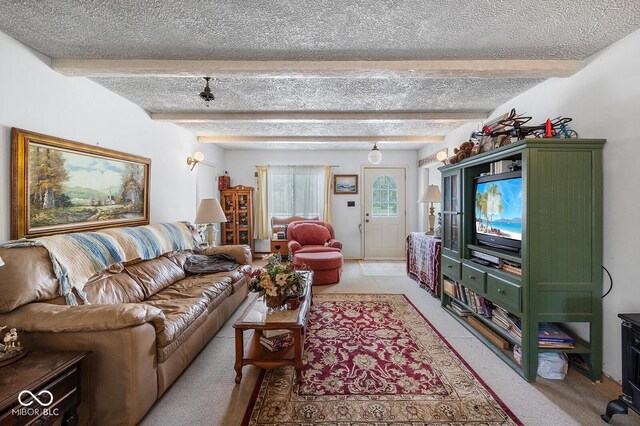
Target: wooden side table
(257, 319)
(40, 388)
(280, 246)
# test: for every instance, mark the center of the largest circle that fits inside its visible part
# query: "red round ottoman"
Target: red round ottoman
(326, 265)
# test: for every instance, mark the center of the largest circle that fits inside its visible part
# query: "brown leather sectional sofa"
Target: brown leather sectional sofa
(147, 321)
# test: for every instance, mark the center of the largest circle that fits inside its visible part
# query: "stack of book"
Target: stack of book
(514, 268)
(276, 340)
(507, 321)
(281, 235)
(460, 310)
(551, 336)
(477, 303)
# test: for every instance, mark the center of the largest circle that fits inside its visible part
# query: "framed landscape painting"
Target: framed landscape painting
(61, 186)
(345, 184)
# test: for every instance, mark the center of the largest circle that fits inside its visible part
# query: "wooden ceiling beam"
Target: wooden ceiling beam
(499, 68)
(291, 117)
(319, 139)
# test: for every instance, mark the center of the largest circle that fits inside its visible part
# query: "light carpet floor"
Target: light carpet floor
(206, 393)
(385, 268)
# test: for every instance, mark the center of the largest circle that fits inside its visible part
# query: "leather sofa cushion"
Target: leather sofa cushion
(26, 276)
(182, 318)
(179, 257)
(155, 274)
(211, 291)
(113, 286)
(311, 233)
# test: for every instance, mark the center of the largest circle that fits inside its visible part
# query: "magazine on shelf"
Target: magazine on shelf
(277, 342)
(551, 333)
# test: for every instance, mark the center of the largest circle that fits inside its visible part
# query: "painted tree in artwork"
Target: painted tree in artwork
(132, 181)
(47, 175)
(481, 206)
(494, 201)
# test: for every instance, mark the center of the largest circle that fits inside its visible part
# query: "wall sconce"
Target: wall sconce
(442, 156)
(195, 159)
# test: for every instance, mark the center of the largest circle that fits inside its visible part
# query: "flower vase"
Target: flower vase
(274, 302)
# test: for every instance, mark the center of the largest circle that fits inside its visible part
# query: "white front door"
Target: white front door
(384, 213)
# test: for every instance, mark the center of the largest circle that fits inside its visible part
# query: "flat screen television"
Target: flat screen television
(498, 211)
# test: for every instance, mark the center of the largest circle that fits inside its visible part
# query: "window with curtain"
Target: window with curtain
(296, 191)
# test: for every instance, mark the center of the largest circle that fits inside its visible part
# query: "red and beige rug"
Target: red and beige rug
(374, 359)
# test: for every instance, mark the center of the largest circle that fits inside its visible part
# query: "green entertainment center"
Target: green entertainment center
(554, 274)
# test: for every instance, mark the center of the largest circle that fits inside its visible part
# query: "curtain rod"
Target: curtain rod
(301, 165)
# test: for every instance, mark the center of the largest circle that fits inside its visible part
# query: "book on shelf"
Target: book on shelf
(473, 301)
(552, 336)
(459, 309)
(277, 342)
(507, 321)
(273, 333)
(511, 267)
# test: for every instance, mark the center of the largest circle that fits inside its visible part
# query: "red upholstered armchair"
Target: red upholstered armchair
(308, 236)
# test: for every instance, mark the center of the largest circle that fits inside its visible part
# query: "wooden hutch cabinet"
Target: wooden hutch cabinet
(237, 203)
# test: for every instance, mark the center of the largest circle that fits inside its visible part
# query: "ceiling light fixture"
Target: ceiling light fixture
(206, 93)
(375, 156)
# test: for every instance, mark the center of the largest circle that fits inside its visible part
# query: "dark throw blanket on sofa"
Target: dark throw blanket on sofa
(209, 264)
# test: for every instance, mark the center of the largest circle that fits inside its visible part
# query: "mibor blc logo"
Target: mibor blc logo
(35, 404)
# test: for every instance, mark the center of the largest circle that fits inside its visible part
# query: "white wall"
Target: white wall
(33, 97)
(602, 99)
(241, 166)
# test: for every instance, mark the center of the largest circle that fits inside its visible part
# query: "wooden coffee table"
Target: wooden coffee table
(257, 319)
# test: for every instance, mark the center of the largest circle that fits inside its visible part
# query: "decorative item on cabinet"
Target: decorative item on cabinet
(224, 181)
(237, 202)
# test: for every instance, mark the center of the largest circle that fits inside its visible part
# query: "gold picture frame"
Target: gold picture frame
(345, 184)
(60, 186)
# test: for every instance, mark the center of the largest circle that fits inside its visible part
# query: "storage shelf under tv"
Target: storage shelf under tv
(495, 252)
(561, 248)
(503, 354)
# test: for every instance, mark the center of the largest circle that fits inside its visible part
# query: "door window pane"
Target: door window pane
(385, 197)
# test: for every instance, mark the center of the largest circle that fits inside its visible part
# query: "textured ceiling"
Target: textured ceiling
(319, 94)
(319, 30)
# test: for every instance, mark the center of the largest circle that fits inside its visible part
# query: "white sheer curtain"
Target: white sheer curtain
(296, 191)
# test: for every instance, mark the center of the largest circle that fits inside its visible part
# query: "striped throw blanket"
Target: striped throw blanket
(79, 256)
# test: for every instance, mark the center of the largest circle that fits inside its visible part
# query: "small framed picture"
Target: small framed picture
(345, 184)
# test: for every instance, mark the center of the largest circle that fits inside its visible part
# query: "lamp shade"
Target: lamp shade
(210, 211)
(431, 195)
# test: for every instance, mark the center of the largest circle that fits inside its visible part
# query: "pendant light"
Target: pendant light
(375, 156)
(206, 93)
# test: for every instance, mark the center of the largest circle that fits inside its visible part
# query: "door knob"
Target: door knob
(367, 220)
(367, 214)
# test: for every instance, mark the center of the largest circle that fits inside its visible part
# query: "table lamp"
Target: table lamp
(431, 195)
(1, 262)
(210, 212)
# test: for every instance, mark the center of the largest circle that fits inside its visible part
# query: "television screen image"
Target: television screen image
(499, 208)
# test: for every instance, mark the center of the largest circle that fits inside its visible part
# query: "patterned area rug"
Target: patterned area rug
(374, 359)
(388, 268)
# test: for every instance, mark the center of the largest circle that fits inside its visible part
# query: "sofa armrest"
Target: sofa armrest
(335, 243)
(294, 246)
(241, 253)
(49, 318)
